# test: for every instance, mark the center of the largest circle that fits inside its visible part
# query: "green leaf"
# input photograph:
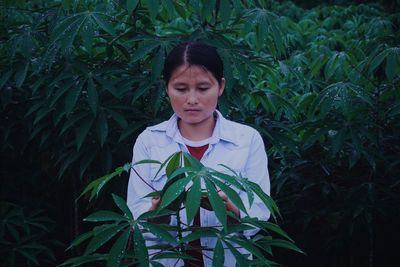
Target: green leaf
(104, 216)
(102, 128)
(231, 194)
(191, 161)
(20, 75)
(268, 201)
(281, 243)
(225, 13)
(152, 7)
(159, 231)
(143, 50)
(87, 33)
(60, 92)
(219, 254)
(155, 213)
(174, 162)
(72, 97)
(102, 237)
(208, 8)
(93, 97)
(172, 255)
(248, 245)
(119, 118)
(131, 5)
(117, 251)
(27, 255)
(216, 203)
(82, 131)
(174, 191)
(77, 261)
(81, 238)
(193, 199)
(4, 78)
(377, 60)
(105, 25)
(63, 27)
(139, 247)
(240, 259)
(168, 5)
(157, 64)
(208, 232)
(122, 205)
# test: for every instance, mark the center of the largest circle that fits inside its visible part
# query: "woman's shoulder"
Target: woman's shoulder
(238, 133)
(154, 134)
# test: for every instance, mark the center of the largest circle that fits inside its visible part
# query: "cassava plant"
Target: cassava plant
(185, 175)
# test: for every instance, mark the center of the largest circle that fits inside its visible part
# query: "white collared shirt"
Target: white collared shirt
(233, 144)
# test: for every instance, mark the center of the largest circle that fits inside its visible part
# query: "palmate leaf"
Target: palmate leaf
(216, 203)
(81, 238)
(249, 245)
(232, 195)
(268, 201)
(122, 206)
(77, 261)
(159, 231)
(139, 247)
(192, 202)
(72, 97)
(117, 251)
(102, 128)
(102, 237)
(209, 232)
(191, 161)
(131, 5)
(95, 186)
(174, 162)
(104, 24)
(279, 243)
(20, 75)
(104, 216)
(93, 97)
(155, 213)
(219, 255)
(119, 118)
(174, 191)
(157, 64)
(240, 258)
(83, 130)
(172, 255)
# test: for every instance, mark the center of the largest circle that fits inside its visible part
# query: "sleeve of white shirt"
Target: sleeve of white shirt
(137, 189)
(256, 170)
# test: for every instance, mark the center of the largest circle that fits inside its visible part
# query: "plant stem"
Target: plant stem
(179, 230)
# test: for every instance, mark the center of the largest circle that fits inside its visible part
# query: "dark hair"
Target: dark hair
(194, 53)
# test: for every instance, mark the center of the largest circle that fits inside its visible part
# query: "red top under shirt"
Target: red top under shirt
(197, 152)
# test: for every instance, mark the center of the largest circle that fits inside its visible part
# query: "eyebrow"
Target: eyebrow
(184, 84)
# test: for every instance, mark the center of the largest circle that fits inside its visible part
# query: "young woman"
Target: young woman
(193, 74)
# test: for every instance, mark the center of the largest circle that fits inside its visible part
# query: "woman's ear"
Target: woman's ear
(221, 86)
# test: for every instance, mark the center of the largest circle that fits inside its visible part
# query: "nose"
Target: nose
(192, 97)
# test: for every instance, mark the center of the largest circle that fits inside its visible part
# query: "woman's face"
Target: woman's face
(194, 93)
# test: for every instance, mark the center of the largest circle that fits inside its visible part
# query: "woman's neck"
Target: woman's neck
(197, 131)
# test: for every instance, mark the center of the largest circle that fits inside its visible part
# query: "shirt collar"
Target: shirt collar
(224, 129)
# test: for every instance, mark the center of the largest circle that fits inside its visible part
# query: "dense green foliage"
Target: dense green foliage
(185, 174)
(80, 79)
